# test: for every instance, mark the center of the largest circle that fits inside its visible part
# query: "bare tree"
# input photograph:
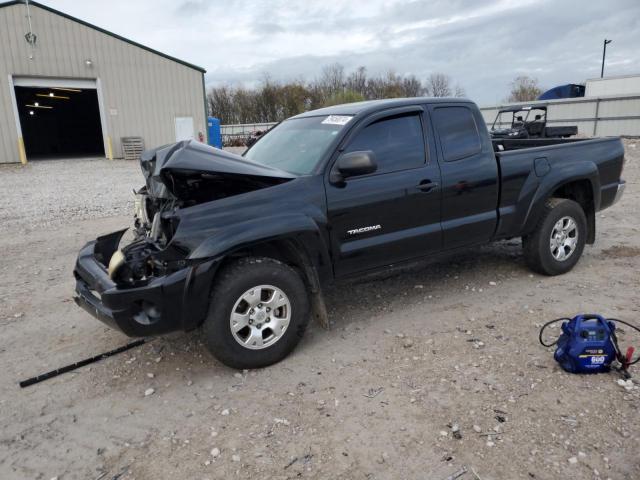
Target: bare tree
(357, 81)
(332, 79)
(524, 89)
(438, 85)
(220, 103)
(412, 87)
(391, 86)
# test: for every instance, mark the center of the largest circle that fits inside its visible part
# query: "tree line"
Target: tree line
(274, 101)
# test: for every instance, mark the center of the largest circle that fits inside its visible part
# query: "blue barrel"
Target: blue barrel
(215, 135)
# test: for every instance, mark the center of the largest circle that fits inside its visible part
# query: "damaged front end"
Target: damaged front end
(150, 286)
(177, 177)
(153, 228)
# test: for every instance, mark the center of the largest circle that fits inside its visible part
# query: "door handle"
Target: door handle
(427, 186)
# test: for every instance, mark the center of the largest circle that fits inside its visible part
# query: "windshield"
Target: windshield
(297, 145)
(519, 120)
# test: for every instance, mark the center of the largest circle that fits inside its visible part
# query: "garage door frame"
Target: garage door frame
(50, 82)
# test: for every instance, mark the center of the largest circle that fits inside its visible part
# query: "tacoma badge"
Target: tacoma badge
(355, 231)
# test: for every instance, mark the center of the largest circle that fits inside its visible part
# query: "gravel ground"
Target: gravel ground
(50, 193)
(411, 353)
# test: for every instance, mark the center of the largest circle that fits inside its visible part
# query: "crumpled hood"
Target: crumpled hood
(174, 170)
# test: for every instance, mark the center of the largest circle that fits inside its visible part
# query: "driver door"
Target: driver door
(392, 214)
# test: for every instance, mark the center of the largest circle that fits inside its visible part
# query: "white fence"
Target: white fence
(617, 115)
(239, 133)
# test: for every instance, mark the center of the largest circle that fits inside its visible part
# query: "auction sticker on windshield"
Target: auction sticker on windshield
(336, 120)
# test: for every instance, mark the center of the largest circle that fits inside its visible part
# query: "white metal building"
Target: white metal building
(618, 85)
(68, 88)
(610, 107)
(601, 116)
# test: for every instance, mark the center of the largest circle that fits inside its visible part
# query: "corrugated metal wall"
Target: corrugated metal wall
(594, 116)
(622, 85)
(142, 91)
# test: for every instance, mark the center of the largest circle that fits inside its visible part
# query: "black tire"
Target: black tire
(537, 251)
(231, 283)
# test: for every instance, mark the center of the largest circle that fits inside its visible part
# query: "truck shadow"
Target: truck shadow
(384, 293)
(439, 278)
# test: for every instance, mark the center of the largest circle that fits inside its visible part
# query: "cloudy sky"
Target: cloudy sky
(482, 45)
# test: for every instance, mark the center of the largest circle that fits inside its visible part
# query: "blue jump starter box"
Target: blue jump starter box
(586, 344)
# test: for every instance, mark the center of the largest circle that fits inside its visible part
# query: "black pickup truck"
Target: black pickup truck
(242, 246)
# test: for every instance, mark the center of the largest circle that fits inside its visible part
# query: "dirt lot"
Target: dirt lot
(410, 353)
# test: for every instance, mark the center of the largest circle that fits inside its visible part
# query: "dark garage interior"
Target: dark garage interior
(59, 122)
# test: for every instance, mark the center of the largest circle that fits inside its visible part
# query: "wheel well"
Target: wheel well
(581, 192)
(285, 251)
(291, 253)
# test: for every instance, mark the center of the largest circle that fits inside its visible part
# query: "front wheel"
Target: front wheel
(557, 242)
(258, 313)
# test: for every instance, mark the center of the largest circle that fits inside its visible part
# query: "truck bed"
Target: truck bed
(528, 167)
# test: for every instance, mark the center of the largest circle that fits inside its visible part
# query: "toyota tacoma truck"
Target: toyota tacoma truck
(241, 247)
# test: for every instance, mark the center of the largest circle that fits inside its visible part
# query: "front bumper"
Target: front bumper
(178, 301)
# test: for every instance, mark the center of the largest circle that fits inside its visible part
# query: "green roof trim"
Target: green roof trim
(102, 30)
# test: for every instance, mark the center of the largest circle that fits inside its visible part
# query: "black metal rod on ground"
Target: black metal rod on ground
(54, 373)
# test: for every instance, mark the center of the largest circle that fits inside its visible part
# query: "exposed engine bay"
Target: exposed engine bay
(180, 176)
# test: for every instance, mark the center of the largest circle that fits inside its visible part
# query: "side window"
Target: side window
(397, 142)
(458, 132)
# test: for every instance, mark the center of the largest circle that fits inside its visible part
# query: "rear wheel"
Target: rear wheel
(557, 242)
(258, 313)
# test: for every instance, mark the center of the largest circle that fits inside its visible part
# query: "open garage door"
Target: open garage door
(59, 119)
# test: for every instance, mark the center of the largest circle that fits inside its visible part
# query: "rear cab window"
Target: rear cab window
(458, 132)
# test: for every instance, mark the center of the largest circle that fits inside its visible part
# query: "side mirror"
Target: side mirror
(352, 164)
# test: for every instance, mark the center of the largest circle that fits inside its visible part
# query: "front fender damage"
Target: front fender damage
(173, 238)
(177, 177)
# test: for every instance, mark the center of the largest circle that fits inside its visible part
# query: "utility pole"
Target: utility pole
(604, 52)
